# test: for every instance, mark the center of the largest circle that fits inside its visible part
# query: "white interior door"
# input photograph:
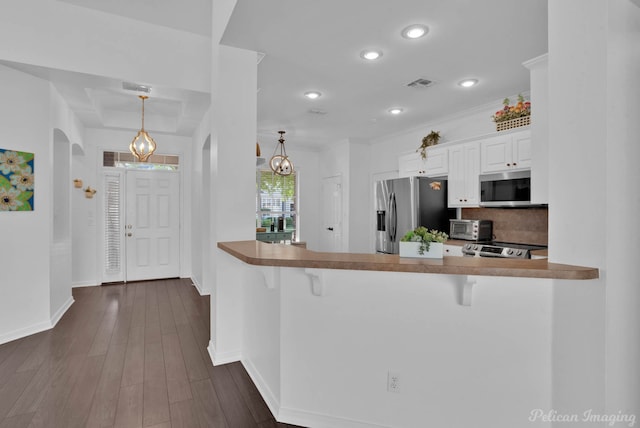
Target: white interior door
(152, 225)
(332, 214)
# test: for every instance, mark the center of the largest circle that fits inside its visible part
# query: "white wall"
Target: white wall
(474, 122)
(593, 153)
(60, 250)
(576, 137)
(232, 209)
(623, 176)
(322, 361)
(360, 201)
(87, 239)
(200, 225)
(69, 37)
(24, 253)
(306, 163)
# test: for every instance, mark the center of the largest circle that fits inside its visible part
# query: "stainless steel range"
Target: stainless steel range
(500, 249)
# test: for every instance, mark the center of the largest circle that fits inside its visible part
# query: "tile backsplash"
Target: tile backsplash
(524, 225)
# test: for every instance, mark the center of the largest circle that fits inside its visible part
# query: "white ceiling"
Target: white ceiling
(315, 45)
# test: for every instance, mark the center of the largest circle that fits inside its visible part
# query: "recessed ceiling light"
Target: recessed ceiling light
(415, 31)
(370, 54)
(467, 83)
(312, 94)
(395, 110)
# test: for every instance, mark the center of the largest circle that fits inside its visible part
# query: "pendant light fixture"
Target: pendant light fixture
(142, 145)
(280, 163)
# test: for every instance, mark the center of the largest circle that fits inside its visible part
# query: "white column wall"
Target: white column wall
(577, 195)
(594, 205)
(233, 140)
(623, 209)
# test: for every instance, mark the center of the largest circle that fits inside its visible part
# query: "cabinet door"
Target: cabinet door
(455, 184)
(472, 174)
(464, 171)
(521, 150)
(437, 162)
(496, 154)
(410, 165)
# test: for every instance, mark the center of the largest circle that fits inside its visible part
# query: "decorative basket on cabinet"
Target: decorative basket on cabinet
(513, 123)
(513, 116)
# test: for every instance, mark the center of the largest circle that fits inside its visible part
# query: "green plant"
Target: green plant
(425, 237)
(429, 140)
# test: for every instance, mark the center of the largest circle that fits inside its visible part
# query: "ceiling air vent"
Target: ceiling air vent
(420, 83)
(127, 86)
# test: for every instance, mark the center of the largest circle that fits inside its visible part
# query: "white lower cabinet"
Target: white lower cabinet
(506, 152)
(464, 172)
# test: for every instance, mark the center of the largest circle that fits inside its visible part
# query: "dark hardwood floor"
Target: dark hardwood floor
(127, 356)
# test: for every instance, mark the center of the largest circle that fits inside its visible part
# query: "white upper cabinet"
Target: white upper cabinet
(436, 164)
(506, 152)
(464, 172)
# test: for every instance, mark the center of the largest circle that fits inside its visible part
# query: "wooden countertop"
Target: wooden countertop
(263, 254)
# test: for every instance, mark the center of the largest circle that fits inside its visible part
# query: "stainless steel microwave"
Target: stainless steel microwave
(505, 189)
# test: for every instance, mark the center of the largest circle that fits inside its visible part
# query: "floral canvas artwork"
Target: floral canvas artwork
(16, 180)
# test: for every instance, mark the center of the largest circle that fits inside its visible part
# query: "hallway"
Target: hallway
(127, 356)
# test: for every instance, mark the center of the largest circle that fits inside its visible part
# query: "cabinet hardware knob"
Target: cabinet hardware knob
(514, 164)
(329, 228)
(129, 234)
(508, 164)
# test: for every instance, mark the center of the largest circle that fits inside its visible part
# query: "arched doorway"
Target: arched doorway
(60, 254)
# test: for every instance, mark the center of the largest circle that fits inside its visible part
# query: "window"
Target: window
(277, 201)
(126, 160)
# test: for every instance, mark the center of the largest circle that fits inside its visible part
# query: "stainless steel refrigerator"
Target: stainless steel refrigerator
(402, 204)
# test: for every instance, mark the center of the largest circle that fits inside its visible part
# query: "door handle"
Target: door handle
(330, 228)
(393, 209)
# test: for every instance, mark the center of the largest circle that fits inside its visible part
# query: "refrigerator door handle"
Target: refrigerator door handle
(393, 211)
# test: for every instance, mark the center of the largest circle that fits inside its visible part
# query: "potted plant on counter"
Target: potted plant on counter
(422, 242)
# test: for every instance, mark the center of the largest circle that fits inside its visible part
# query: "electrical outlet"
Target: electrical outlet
(393, 381)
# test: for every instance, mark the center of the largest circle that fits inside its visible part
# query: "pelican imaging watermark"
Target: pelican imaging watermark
(612, 419)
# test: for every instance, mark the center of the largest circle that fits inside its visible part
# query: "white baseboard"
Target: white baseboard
(38, 327)
(25, 331)
(220, 358)
(198, 287)
(61, 311)
(273, 402)
(318, 420)
(84, 284)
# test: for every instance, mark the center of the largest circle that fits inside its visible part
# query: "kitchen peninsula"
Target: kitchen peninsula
(259, 254)
(322, 334)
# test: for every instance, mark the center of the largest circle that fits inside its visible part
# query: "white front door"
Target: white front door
(152, 225)
(332, 214)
